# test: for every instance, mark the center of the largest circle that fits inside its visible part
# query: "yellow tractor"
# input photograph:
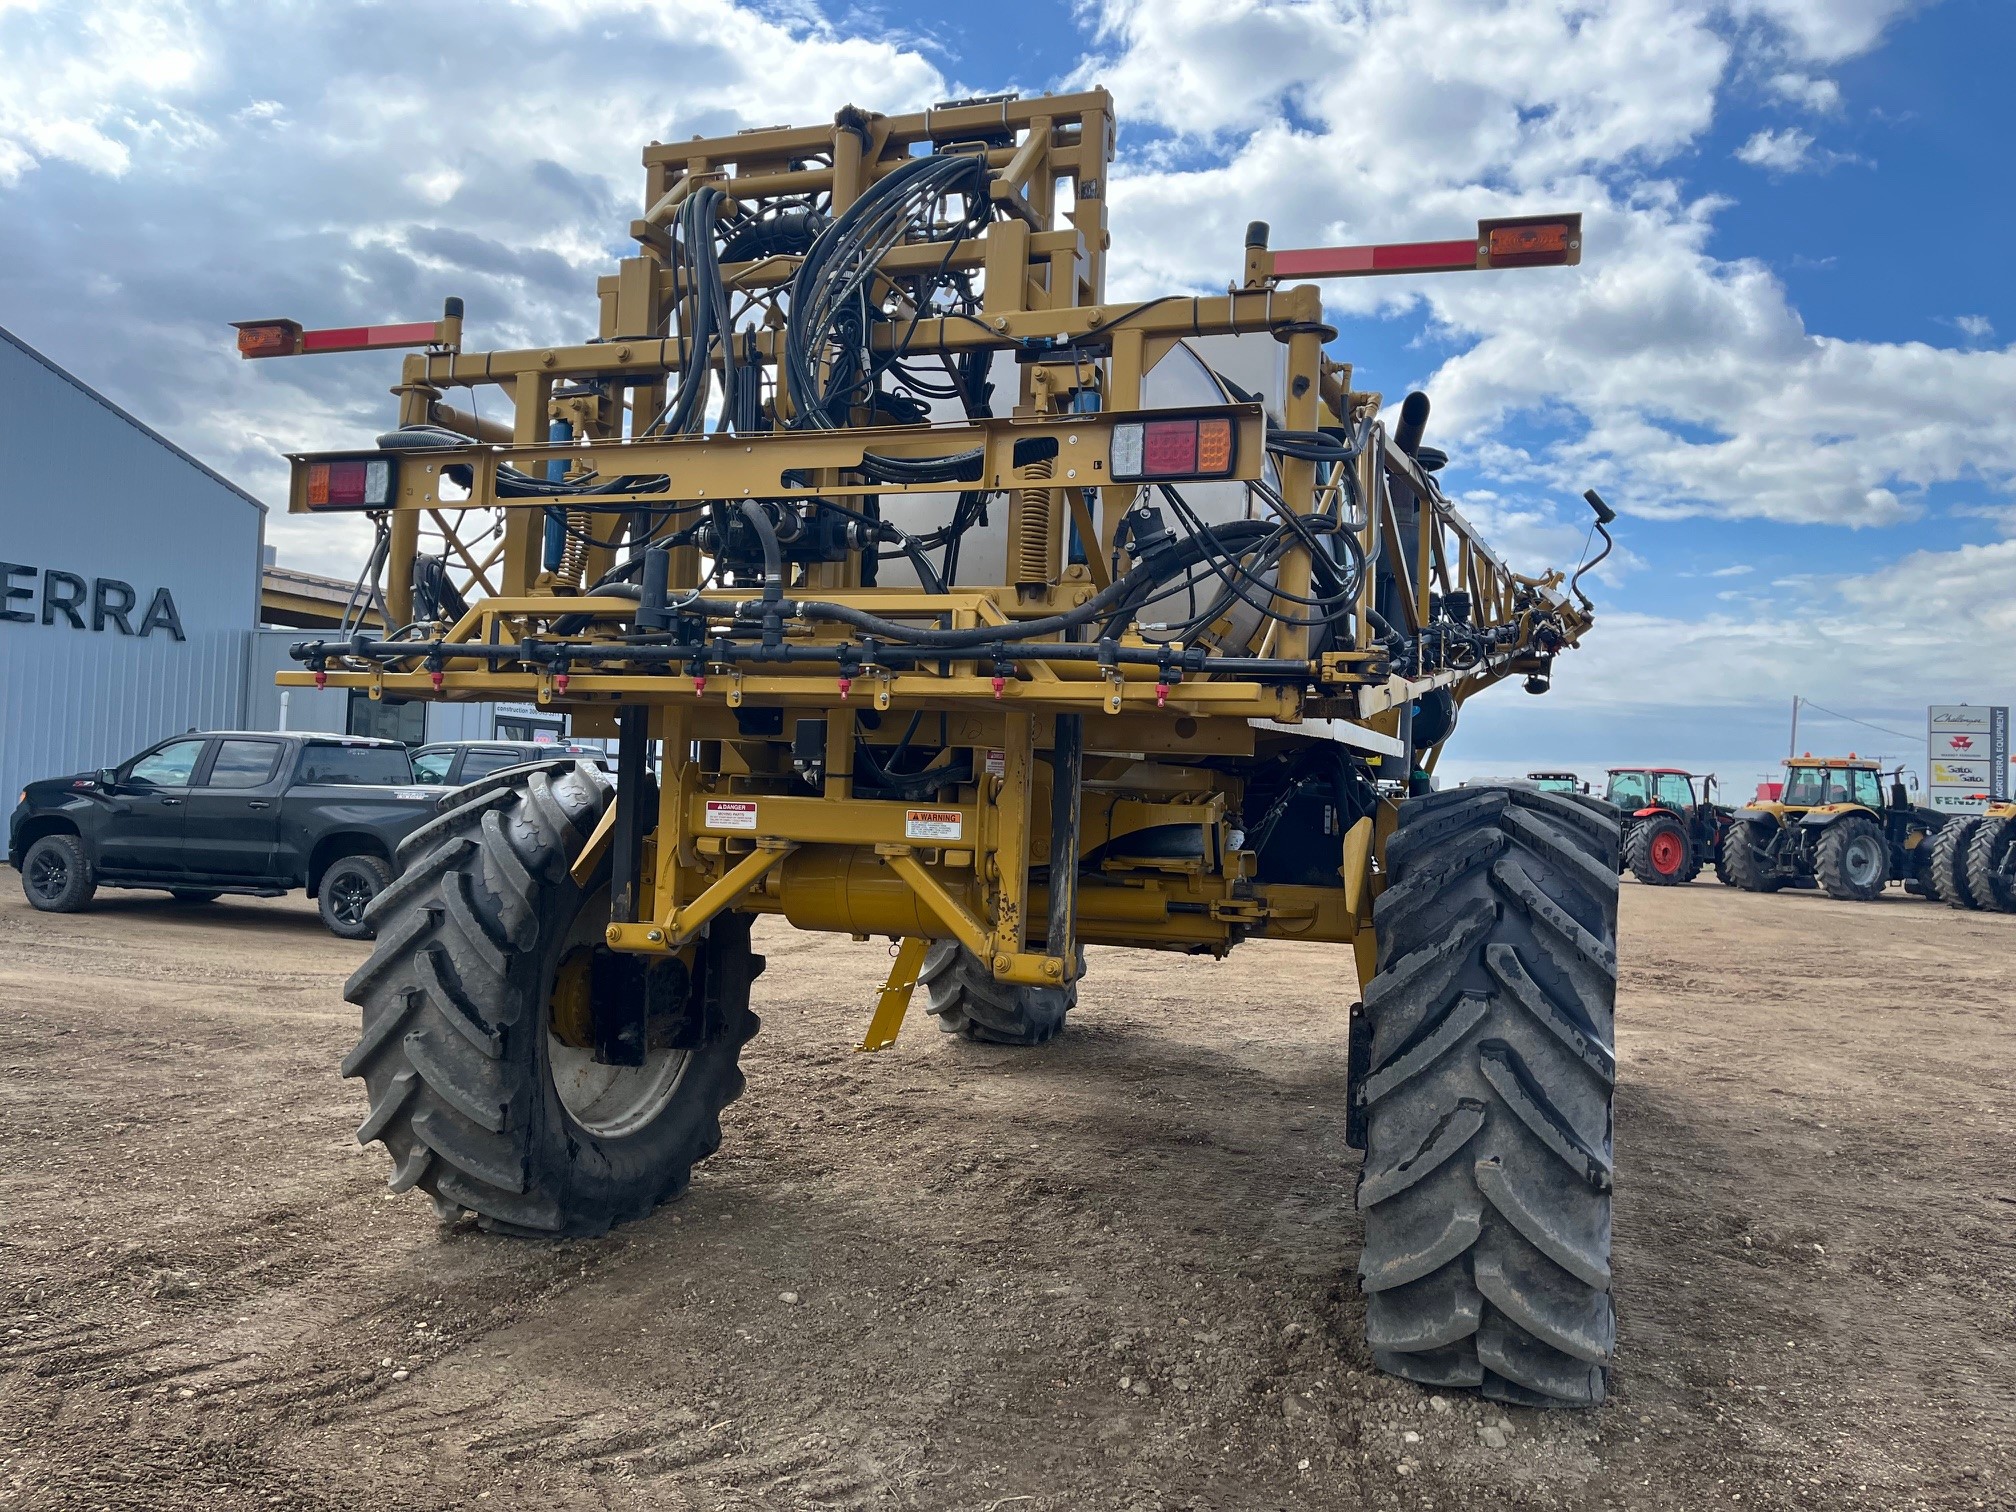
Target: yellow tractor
(930, 593)
(1973, 863)
(1833, 824)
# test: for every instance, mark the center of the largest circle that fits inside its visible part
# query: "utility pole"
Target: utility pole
(1793, 749)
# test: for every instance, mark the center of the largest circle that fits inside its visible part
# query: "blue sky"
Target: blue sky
(1787, 357)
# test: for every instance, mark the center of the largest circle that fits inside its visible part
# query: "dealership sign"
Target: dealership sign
(31, 594)
(1966, 756)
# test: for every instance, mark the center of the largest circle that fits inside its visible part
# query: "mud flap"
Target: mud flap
(1357, 1067)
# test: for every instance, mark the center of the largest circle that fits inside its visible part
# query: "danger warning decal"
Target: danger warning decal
(731, 816)
(933, 824)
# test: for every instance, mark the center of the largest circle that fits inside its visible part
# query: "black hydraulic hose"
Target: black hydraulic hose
(1137, 586)
(1604, 515)
(773, 553)
(855, 654)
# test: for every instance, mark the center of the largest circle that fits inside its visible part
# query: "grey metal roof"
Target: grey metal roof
(140, 425)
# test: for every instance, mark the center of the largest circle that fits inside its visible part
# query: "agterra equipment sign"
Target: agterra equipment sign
(1966, 756)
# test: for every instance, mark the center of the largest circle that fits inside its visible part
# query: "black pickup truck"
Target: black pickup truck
(228, 811)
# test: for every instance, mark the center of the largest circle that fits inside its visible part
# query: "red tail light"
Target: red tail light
(1148, 450)
(350, 483)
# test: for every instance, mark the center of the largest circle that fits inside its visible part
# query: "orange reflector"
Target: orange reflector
(318, 479)
(1214, 447)
(1528, 246)
(275, 339)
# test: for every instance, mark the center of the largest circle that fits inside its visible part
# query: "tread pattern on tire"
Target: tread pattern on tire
(962, 992)
(453, 1029)
(1743, 860)
(1947, 868)
(83, 884)
(1638, 854)
(378, 867)
(1830, 867)
(1989, 882)
(1486, 1184)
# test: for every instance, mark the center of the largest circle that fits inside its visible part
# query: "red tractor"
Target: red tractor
(1670, 831)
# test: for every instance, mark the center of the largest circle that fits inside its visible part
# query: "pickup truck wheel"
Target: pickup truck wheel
(483, 1002)
(193, 896)
(348, 887)
(56, 874)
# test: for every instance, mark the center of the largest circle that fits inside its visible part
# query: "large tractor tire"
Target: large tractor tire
(1991, 865)
(1852, 860)
(1743, 859)
(488, 953)
(1947, 869)
(1659, 854)
(961, 990)
(1722, 872)
(1487, 1099)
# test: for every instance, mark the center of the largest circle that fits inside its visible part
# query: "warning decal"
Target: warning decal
(932, 824)
(731, 816)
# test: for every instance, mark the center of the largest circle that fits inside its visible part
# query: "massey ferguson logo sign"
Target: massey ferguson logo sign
(1967, 756)
(52, 596)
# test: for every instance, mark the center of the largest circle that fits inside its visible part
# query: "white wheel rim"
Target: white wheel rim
(610, 1102)
(1863, 860)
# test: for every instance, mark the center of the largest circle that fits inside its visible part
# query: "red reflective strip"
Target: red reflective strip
(1323, 262)
(1420, 257)
(1401, 257)
(361, 338)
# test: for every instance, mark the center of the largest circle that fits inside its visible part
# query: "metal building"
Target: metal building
(131, 601)
(128, 585)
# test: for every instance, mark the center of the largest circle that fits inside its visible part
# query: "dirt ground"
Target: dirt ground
(1114, 1272)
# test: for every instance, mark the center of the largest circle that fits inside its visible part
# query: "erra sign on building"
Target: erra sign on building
(29, 595)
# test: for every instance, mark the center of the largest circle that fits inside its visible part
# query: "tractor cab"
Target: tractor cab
(1557, 782)
(1813, 783)
(1635, 788)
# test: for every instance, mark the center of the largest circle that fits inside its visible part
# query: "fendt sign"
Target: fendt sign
(29, 595)
(1966, 756)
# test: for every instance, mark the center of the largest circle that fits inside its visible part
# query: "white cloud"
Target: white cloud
(1821, 96)
(1974, 327)
(1825, 31)
(1783, 151)
(1741, 569)
(303, 161)
(1684, 381)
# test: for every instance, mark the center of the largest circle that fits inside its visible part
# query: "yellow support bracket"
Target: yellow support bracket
(681, 924)
(894, 1000)
(1021, 968)
(598, 842)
